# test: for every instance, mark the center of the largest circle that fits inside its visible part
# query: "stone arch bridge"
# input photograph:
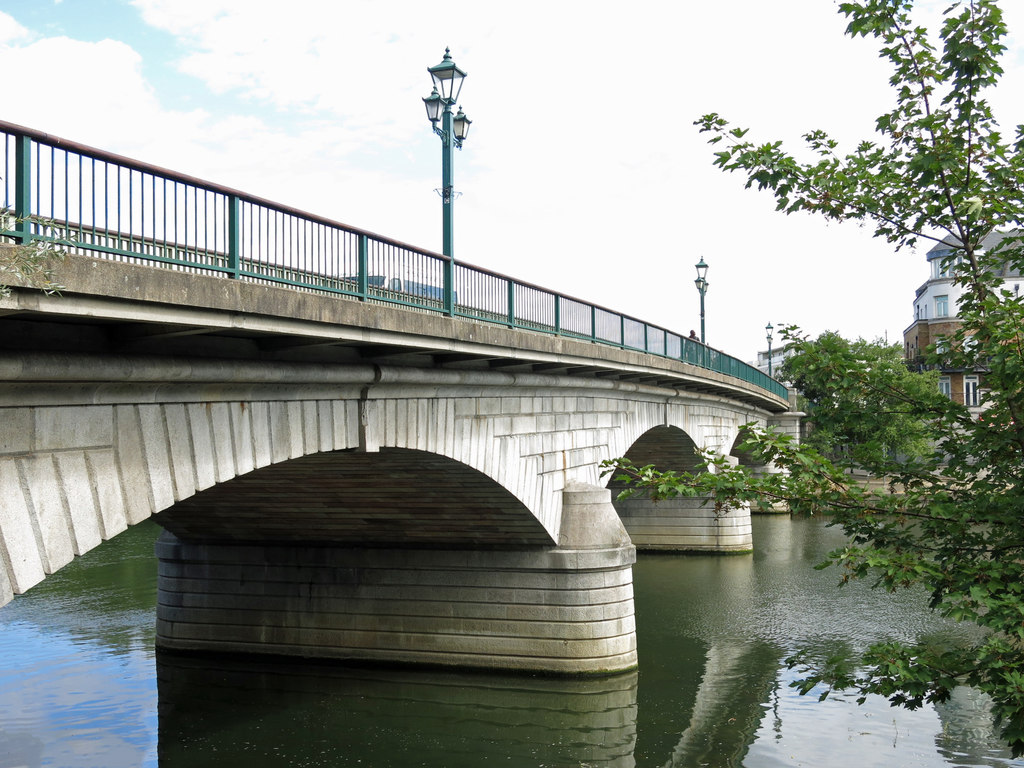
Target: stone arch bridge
(345, 479)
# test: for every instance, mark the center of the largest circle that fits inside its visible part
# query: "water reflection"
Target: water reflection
(216, 712)
(729, 707)
(79, 682)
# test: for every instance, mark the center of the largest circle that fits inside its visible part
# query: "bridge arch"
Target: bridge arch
(396, 497)
(742, 456)
(73, 475)
(682, 523)
(667, 448)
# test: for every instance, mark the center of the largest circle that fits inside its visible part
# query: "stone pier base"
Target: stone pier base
(562, 610)
(685, 525)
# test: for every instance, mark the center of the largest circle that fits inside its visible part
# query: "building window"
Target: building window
(970, 391)
(943, 266)
(942, 306)
(944, 386)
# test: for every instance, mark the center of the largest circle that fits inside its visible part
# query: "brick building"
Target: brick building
(936, 306)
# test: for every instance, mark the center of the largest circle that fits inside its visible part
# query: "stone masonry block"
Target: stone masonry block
(182, 460)
(241, 437)
(524, 425)
(465, 407)
(103, 471)
(259, 428)
(502, 425)
(132, 465)
(545, 420)
(512, 405)
(16, 430)
(17, 536)
(325, 427)
(73, 427)
(6, 585)
(223, 449)
(310, 428)
(202, 444)
(488, 406)
(54, 528)
(280, 431)
(157, 455)
(297, 443)
(424, 421)
(81, 504)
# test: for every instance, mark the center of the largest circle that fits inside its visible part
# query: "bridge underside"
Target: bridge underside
(394, 497)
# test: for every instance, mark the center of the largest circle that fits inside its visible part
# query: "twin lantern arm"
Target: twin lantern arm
(702, 276)
(447, 84)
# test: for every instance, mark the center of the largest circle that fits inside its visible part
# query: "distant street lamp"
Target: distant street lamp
(447, 84)
(768, 333)
(702, 287)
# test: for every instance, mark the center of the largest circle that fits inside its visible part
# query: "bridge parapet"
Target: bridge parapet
(93, 202)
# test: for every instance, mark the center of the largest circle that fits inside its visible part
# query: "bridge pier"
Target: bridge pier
(685, 525)
(566, 609)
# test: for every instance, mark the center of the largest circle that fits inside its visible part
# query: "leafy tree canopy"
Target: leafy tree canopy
(949, 518)
(867, 409)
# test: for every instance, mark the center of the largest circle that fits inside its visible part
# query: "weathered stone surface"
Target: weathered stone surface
(589, 521)
(685, 525)
(403, 512)
(538, 610)
(24, 559)
(16, 431)
(77, 484)
(72, 427)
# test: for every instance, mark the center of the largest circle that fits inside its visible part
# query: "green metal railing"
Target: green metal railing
(97, 203)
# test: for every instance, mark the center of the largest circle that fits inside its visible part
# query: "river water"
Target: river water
(81, 684)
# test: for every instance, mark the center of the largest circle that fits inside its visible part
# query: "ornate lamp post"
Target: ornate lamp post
(768, 334)
(702, 287)
(447, 84)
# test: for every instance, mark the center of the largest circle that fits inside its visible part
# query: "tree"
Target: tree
(950, 517)
(32, 264)
(882, 417)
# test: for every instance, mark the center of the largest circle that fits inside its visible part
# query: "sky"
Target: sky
(582, 171)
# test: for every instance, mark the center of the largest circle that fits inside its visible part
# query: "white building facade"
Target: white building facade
(936, 319)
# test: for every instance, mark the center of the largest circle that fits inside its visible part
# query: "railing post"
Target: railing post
(23, 189)
(558, 315)
(234, 237)
(622, 331)
(511, 302)
(363, 268)
(647, 341)
(449, 286)
(593, 322)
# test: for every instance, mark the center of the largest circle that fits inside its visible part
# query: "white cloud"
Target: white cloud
(582, 171)
(10, 29)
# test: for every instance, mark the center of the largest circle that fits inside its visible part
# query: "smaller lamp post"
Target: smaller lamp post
(702, 287)
(768, 334)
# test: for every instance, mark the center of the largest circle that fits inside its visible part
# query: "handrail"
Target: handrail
(99, 203)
